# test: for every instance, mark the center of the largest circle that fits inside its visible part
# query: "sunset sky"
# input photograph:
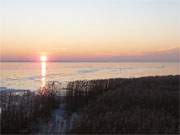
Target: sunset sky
(90, 30)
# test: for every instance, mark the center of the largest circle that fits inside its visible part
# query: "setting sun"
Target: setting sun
(43, 58)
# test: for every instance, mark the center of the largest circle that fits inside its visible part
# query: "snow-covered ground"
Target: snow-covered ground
(60, 122)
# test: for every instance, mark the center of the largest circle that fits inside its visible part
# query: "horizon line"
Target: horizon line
(148, 61)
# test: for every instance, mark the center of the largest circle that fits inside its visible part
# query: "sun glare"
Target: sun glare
(43, 58)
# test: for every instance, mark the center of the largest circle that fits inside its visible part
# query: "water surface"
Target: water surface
(32, 75)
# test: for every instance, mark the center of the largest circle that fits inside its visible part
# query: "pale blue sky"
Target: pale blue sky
(95, 10)
(138, 26)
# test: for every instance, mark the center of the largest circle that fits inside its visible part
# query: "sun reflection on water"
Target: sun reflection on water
(43, 73)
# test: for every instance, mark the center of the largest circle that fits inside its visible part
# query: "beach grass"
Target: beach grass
(132, 106)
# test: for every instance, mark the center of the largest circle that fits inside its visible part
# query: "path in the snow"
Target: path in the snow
(60, 122)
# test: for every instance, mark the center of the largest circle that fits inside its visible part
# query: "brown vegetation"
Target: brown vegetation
(22, 113)
(137, 105)
(142, 105)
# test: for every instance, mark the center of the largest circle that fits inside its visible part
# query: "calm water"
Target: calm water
(33, 75)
